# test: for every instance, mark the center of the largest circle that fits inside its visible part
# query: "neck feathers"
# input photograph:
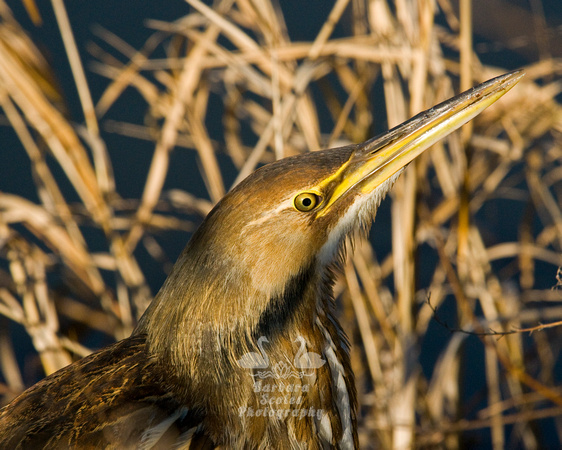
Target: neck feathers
(236, 352)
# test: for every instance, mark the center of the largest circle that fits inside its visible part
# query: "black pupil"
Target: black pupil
(306, 201)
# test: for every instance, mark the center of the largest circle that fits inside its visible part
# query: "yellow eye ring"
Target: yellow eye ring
(306, 201)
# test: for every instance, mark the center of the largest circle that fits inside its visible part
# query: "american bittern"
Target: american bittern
(245, 315)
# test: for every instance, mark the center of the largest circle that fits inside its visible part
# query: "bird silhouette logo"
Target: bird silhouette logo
(254, 360)
(304, 363)
(307, 360)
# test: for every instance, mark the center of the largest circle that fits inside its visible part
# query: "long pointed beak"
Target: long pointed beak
(378, 159)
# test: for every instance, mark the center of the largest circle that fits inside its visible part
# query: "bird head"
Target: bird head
(297, 211)
(291, 217)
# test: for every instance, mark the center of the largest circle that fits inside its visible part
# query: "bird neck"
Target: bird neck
(208, 321)
(209, 312)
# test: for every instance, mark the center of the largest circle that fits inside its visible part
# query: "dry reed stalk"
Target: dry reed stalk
(292, 97)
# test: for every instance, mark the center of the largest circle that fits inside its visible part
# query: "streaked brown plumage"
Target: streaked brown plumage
(257, 271)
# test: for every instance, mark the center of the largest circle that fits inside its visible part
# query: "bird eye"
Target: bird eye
(306, 201)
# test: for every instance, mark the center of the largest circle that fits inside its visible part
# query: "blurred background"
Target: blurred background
(122, 123)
